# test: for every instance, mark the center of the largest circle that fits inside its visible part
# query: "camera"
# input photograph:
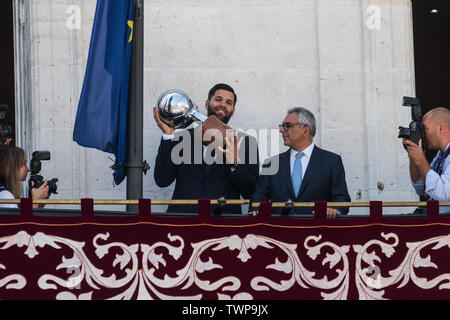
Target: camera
(6, 131)
(35, 168)
(415, 129)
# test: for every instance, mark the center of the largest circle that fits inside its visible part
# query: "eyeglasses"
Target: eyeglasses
(288, 125)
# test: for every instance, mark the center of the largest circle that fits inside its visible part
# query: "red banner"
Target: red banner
(263, 258)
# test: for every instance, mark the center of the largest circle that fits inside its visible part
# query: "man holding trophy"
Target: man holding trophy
(208, 161)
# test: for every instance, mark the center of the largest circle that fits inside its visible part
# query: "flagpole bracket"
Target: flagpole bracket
(144, 166)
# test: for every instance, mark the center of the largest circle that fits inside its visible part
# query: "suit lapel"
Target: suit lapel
(311, 170)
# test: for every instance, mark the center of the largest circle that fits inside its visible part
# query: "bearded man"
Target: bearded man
(195, 176)
(432, 179)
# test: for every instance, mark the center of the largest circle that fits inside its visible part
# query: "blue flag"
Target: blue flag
(101, 120)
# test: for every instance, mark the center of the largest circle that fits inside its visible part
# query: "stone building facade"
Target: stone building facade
(349, 61)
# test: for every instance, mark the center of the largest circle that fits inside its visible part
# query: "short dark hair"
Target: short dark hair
(221, 86)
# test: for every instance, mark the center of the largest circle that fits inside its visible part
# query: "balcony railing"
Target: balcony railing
(104, 254)
(431, 207)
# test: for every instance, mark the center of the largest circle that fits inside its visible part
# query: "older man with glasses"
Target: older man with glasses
(306, 173)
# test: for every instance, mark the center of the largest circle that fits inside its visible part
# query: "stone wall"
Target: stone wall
(348, 61)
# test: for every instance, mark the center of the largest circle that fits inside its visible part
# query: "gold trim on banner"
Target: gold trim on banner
(218, 225)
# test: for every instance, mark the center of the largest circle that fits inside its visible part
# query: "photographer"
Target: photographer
(13, 170)
(434, 178)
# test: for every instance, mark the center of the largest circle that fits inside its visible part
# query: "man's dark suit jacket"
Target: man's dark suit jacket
(324, 180)
(196, 181)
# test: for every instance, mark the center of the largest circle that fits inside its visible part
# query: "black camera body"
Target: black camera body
(35, 167)
(6, 131)
(415, 130)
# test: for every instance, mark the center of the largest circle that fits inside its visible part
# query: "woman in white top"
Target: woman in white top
(14, 170)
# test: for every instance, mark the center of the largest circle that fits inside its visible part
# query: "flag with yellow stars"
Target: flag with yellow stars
(101, 120)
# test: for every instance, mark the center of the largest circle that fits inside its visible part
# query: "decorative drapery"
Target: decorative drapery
(259, 258)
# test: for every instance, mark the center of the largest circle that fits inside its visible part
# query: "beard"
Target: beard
(225, 119)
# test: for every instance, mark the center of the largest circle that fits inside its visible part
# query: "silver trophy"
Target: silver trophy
(177, 110)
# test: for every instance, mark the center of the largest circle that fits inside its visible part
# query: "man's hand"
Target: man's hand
(232, 148)
(415, 152)
(331, 213)
(165, 128)
(414, 170)
(418, 160)
(253, 213)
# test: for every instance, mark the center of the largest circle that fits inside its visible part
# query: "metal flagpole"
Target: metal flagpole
(135, 127)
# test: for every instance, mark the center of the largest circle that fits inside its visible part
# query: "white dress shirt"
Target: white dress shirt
(305, 159)
(437, 186)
